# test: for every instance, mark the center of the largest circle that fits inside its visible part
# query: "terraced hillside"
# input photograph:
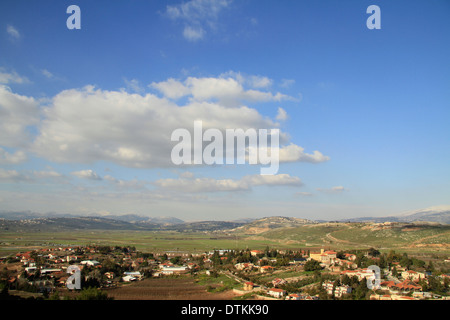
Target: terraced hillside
(271, 223)
(360, 235)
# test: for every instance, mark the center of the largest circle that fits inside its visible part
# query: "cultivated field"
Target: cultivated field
(145, 241)
(183, 288)
(336, 236)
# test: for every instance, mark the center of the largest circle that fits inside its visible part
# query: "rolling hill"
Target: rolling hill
(438, 214)
(271, 223)
(357, 235)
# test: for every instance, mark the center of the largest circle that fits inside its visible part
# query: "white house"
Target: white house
(90, 262)
(277, 293)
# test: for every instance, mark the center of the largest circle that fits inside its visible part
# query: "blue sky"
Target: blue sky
(86, 115)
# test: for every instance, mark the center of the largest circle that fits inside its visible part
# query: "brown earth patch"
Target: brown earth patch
(166, 289)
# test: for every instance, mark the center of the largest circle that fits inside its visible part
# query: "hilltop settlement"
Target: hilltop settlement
(249, 274)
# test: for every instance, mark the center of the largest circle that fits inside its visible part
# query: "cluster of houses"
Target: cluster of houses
(47, 268)
(403, 286)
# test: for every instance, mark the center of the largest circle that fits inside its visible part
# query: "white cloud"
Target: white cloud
(333, 190)
(282, 115)
(252, 81)
(260, 82)
(47, 74)
(197, 15)
(11, 176)
(125, 184)
(28, 176)
(87, 174)
(12, 158)
(200, 185)
(134, 85)
(171, 88)
(304, 194)
(226, 90)
(286, 83)
(273, 180)
(187, 175)
(133, 130)
(294, 153)
(17, 114)
(195, 185)
(193, 33)
(13, 32)
(11, 77)
(91, 125)
(46, 174)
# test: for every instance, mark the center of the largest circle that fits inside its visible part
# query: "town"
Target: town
(270, 274)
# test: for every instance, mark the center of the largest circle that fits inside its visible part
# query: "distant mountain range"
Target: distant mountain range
(31, 222)
(132, 218)
(437, 214)
(36, 223)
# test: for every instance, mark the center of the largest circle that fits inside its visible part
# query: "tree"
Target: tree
(374, 252)
(360, 291)
(312, 265)
(405, 261)
(430, 267)
(382, 263)
(93, 294)
(394, 272)
(361, 261)
(175, 260)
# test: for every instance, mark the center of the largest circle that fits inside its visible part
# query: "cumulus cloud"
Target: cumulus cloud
(195, 185)
(171, 88)
(226, 90)
(90, 125)
(133, 130)
(294, 153)
(17, 114)
(260, 82)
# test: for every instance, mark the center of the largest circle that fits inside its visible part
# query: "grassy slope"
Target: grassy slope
(332, 235)
(361, 235)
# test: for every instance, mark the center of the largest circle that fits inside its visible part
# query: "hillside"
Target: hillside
(379, 235)
(69, 224)
(97, 223)
(438, 214)
(271, 223)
